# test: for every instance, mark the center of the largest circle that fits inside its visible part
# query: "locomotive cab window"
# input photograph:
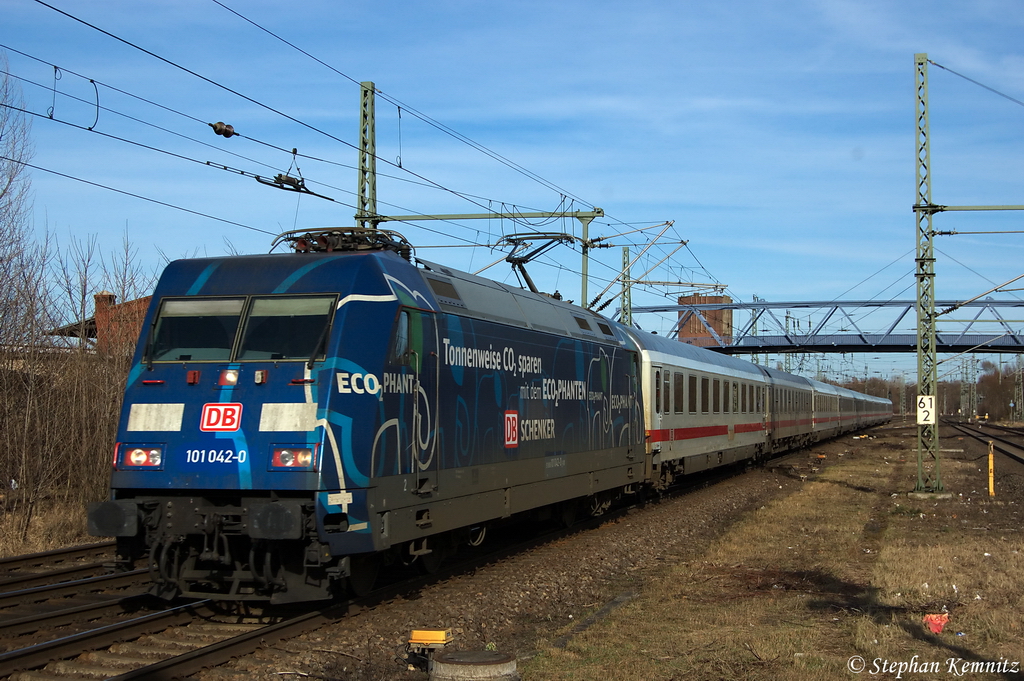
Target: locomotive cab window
(286, 327)
(400, 344)
(274, 328)
(200, 329)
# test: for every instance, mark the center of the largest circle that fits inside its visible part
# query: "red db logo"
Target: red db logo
(511, 429)
(221, 417)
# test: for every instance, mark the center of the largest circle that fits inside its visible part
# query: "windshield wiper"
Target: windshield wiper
(319, 344)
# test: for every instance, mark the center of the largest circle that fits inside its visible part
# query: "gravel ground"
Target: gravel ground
(533, 599)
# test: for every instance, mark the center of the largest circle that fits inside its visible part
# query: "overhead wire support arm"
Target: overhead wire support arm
(584, 216)
(289, 184)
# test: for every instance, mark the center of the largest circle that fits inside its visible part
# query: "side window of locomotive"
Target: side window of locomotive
(705, 389)
(195, 329)
(678, 396)
(692, 381)
(286, 328)
(400, 338)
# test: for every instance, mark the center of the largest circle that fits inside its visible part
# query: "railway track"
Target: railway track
(56, 565)
(1008, 441)
(151, 642)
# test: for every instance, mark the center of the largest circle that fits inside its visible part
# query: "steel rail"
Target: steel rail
(1010, 449)
(24, 581)
(56, 555)
(39, 593)
(41, 653)
(65, 616)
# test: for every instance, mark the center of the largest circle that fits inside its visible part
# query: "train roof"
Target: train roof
(468, 295)
(660, 345)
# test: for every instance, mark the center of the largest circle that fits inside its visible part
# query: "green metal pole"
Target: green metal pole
(927, 365)
(367, 157)
(627, 297)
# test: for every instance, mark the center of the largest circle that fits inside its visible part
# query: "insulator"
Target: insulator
(281, 178)
(221, 128)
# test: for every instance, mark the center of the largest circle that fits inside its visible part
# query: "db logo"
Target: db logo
(221, 417)
(511, 429)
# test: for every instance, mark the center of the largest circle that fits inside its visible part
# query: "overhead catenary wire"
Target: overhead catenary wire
(990, 89)
(418, 114)
(133, 195)
(215, 165)
(421, 116)
(427, 181)
(251, 100)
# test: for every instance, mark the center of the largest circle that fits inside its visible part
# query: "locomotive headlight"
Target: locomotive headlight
(228, 377)
(148, 457)
(292, 458)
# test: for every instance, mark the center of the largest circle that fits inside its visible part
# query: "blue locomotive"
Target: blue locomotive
(292, 420)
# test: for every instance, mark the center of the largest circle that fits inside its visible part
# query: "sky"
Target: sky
(778, 137)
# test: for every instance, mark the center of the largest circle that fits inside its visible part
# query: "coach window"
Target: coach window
(657, 392)
(743, 399)
(735, 396)
(668, 392)
(677, 389)
(716, 396)
(725, 396)
(705, 383)
(196, 329)
(692, 393)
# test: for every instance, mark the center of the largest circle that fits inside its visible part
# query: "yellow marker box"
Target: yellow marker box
(430, 637)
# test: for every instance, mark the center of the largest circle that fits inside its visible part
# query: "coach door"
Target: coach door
(416, 340)
(655, 408)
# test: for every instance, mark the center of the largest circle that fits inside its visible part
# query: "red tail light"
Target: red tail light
(293, 458)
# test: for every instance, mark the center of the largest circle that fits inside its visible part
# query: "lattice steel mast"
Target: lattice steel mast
(367, 209)
(927, 375)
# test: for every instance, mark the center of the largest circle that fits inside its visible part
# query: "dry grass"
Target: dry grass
(837, 569)
(48, 527)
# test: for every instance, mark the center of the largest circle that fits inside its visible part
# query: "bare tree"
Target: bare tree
(15, 151)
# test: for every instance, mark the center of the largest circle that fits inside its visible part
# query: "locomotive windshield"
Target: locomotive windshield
(196, 329)
(286, 328)
(272, 328)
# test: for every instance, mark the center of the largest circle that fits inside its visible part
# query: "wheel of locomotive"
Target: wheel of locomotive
(363, 568)
(567, 512)
(430, 563)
